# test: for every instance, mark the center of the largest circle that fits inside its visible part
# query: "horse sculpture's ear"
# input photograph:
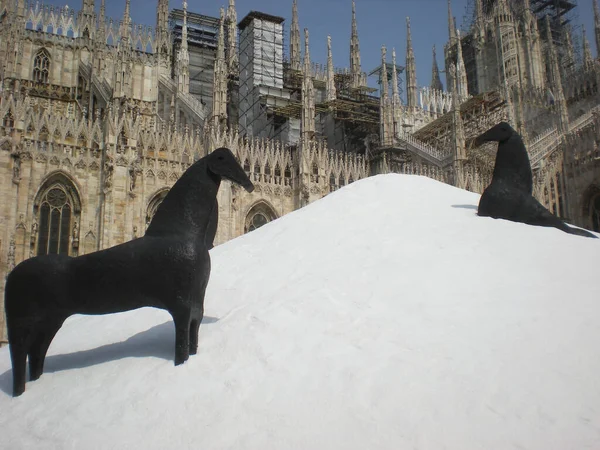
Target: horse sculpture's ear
(220, 160)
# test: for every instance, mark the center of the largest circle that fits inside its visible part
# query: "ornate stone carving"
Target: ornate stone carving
(16, 168)
(108, 174)
(10, 261)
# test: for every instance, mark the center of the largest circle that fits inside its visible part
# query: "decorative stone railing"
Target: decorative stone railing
(584, 120)
(101, 85)
(187, 99)
(544, 144)
(426, 151)
(550, 139)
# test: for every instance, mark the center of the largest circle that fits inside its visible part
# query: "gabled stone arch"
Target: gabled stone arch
(6, 143)
(259, 214)
(277, 170)
(332, 182)
(155, 200)
(57, 214)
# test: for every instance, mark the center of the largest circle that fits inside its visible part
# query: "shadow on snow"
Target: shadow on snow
(156, 342)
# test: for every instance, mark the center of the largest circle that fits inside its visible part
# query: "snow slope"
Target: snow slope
(385, 316)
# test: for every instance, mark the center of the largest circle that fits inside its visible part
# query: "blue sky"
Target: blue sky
(380, 22)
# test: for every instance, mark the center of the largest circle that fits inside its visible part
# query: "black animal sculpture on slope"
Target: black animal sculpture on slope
(509, 195)
(168, 268)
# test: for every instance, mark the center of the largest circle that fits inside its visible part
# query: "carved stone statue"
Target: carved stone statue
(34, 232)
(108, 174)
(168, 268)
(11, 254)
(134, 171)
(509, 195)
(75, 234)
(16, 168)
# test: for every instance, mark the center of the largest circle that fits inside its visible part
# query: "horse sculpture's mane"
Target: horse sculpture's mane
(512, 164)
(179, 213)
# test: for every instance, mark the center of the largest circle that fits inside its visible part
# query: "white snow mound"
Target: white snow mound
(386, 316)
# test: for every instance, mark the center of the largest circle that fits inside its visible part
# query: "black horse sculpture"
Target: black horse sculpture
(509, 195)
(168, 268)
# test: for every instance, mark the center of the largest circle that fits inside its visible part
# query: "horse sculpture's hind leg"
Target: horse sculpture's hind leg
(194, 329)
(19, 340)
(40, 345)
(197, 316)
(182, 319)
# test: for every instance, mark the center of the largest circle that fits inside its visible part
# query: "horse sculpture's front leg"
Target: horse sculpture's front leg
(198, 311)
(182, 319)
(194, 330)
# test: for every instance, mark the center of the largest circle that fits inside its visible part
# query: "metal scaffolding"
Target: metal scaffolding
(202, 47)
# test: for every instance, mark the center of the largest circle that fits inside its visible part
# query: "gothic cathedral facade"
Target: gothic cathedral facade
(98, 118)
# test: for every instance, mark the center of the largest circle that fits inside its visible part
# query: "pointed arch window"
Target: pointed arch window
(259, 215)
(257, 221)
(57, 210)
(41, 67)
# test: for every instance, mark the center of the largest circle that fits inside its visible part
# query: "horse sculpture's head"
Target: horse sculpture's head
(499, 133)
(222, 163)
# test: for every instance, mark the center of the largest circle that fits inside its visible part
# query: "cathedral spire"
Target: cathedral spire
(100, 39)
(125, 32)
(451, 24)
(308, 95)
(355, 68)
(183, 57)
(20, 8)
(184, 30)
(411, 70)
(220, 77)
(395, 91)
(384, 104)
(569, 53)
(232, 54)
(556, 82)
(295, 38)
(588, 60)
(86, 19)
(162, 40)
(597, 27)
(436, 82)
(87, 7)
(330, 94)
(462, 84)
(102, 11)
(307, 64)
(458, 133)
(384, 76)
(479, 14)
